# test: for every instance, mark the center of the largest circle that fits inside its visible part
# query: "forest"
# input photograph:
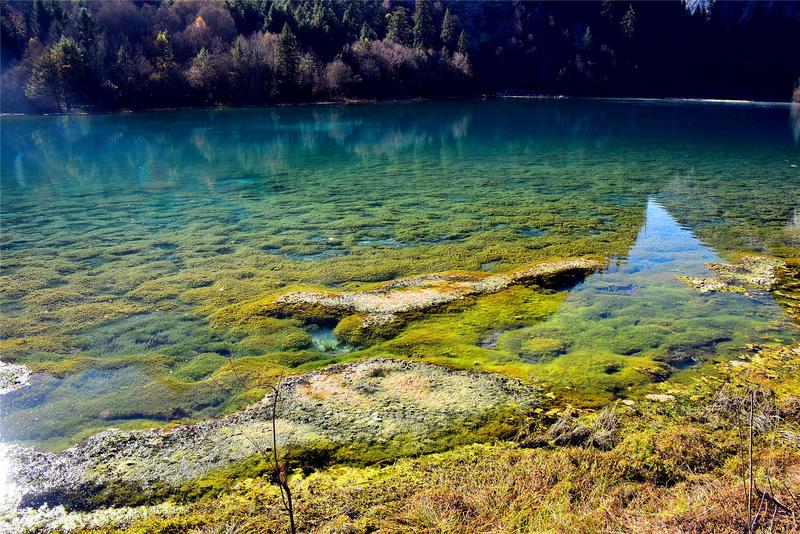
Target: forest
(85, 55)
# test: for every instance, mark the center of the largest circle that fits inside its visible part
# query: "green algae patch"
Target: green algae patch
(451, 337)
(592, 378)
(173, 244)
(201, 366)
(461, 335)
(539, 347)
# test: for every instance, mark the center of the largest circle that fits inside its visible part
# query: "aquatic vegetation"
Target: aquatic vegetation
(132, 247)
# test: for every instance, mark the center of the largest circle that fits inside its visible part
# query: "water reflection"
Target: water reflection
(265, 142)
(639, 308)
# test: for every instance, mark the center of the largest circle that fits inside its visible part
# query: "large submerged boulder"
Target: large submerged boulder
(364, 412)
(377, 312)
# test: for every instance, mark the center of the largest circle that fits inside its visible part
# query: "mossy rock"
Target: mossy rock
(542, 347)
(354, 330)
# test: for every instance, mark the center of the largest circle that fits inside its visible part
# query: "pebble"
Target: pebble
(660, 397)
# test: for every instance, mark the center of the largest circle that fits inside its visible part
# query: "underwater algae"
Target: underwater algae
(138, 250)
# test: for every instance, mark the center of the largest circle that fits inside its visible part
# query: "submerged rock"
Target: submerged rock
(13, 376)
(377, 308)
(490, 341)
(660, 397)
(750, 272)
(376, 406)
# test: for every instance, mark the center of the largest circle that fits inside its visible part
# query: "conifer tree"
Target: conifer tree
(288, 58)
(366, 33)
(397, 28)
(165, 59)
(448, 33)
(87, 29)
(424, 30)
(629, 22)
(463, 49)
(463, 44)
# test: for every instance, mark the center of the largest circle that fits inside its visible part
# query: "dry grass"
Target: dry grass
(506, 489)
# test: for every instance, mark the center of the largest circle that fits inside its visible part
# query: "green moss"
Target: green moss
(201, 366)
(353, 330)
(220, 480)
(542, 347)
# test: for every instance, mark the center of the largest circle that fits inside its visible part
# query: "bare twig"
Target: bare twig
(750, 454)
(279, 465)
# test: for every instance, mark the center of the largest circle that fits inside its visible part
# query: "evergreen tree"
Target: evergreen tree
(44, 85)
(366, 33)
(607, 9)
(200, 74)
(13, 33)
(269, 18)
(86, 28)
(288, 58)
(237, 52)
(248, 15)
(122, 70)
(397, 28)
(38, 19)
(60, 76)
(448, 33)
(424, 29)
(629, 22)
(587, 38)
(463, 50)
(165, 58)
(463, 44)
(46, 19)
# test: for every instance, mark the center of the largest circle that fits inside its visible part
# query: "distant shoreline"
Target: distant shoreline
(359, 101)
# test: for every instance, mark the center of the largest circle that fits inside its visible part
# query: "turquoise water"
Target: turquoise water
(638, 306)
(130, 241)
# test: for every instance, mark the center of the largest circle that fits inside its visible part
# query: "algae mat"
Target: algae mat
(139, 251)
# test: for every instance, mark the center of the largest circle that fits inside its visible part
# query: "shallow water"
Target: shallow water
(638, 307)
(124, 236)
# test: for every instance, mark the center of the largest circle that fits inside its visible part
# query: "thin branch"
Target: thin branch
(750, 489)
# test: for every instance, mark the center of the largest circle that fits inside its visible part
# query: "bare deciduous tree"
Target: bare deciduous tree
(279, 462)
